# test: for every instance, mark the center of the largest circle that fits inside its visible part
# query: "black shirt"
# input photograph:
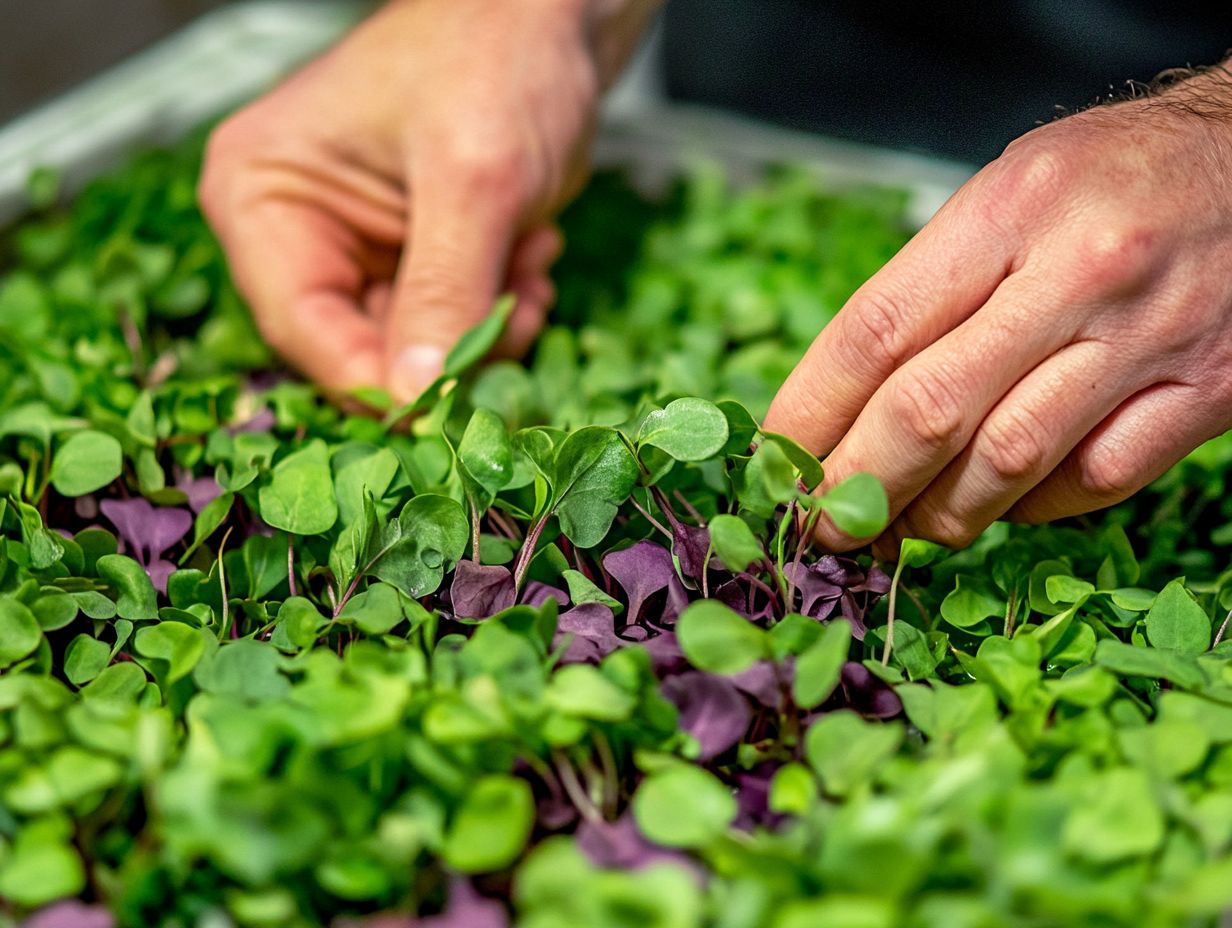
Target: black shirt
(957, 79)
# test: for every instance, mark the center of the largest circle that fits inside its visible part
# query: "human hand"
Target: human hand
(1053, 340)
(374, 205)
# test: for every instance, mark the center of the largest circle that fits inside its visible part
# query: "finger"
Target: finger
(299, 270)
(1141, 439)
(459, 241)
(532, 288)
(927, 411)
(377, 299)
(1021, 441)
(938, 280)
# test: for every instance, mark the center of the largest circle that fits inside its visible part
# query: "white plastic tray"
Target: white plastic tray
(236, 52)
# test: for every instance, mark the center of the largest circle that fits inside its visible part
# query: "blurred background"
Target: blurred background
(957, 79)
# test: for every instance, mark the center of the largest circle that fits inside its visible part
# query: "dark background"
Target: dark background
(952, 78)
(959, 79)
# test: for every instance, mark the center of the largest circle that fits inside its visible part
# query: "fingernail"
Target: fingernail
(414, 369)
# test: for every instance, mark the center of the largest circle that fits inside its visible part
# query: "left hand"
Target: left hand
(1053, 340)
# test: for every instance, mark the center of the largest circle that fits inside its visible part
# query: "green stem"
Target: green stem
(889, 642)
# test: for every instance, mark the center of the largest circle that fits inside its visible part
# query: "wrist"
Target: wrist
(613, 28)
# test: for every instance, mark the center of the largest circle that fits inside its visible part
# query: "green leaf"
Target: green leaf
(595, 473)
(212, 515)
(19, 631)
(178, 645)
(1178, 623)
(858, 506)
(88, 461)
(718, 640)
(734, 542)
(818, 669)
(41, 866)
(476, 342)
(971, 602)
(915, 552)
(688, 429)
(372, 474)
(485, 456)
(491, 827)
(1154, 663)
(683, 806)
(138, 599)
(582, 691)
(377, 610)
(1118, 817)
(742, 428)
(432, 535)
(54, 611)
(45, 546)
(299, 497)
(800, 457)
(243, 669)
(118, 684)
(583, 590)
(766, 480)
(301, 621)
(85, 658)
(1062, 588)
(847, 751)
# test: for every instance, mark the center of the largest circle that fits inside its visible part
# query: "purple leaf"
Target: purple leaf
(145, 530)
(867, 694)
(70, 913)
(665, 655)
(761, 682)
(642, 570)
(741, 595)
(877, 581)
(467, 909)
(677, 601)
(620, 845)
(840, 571)
(201, 491)
(734, 594)
(480, 591)
(753, 796)
(589, 628)
(536, 594)
(159, 571)
(690, 545)
(819, 594)
(711, 710)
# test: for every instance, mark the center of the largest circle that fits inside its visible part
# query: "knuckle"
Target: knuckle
(1116, 255)
(1031, 174)
(1108, 475)
(1015, 445)
(925, 403)
(875, 334)
(488, 163)
(940, 527)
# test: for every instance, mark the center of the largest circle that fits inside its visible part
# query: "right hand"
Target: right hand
(374, 205)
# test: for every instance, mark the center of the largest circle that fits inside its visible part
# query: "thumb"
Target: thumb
(463, 222)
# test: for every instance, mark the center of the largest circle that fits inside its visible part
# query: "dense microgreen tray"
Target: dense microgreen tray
(557, 653)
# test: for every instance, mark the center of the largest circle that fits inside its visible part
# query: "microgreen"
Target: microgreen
(552, 644)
